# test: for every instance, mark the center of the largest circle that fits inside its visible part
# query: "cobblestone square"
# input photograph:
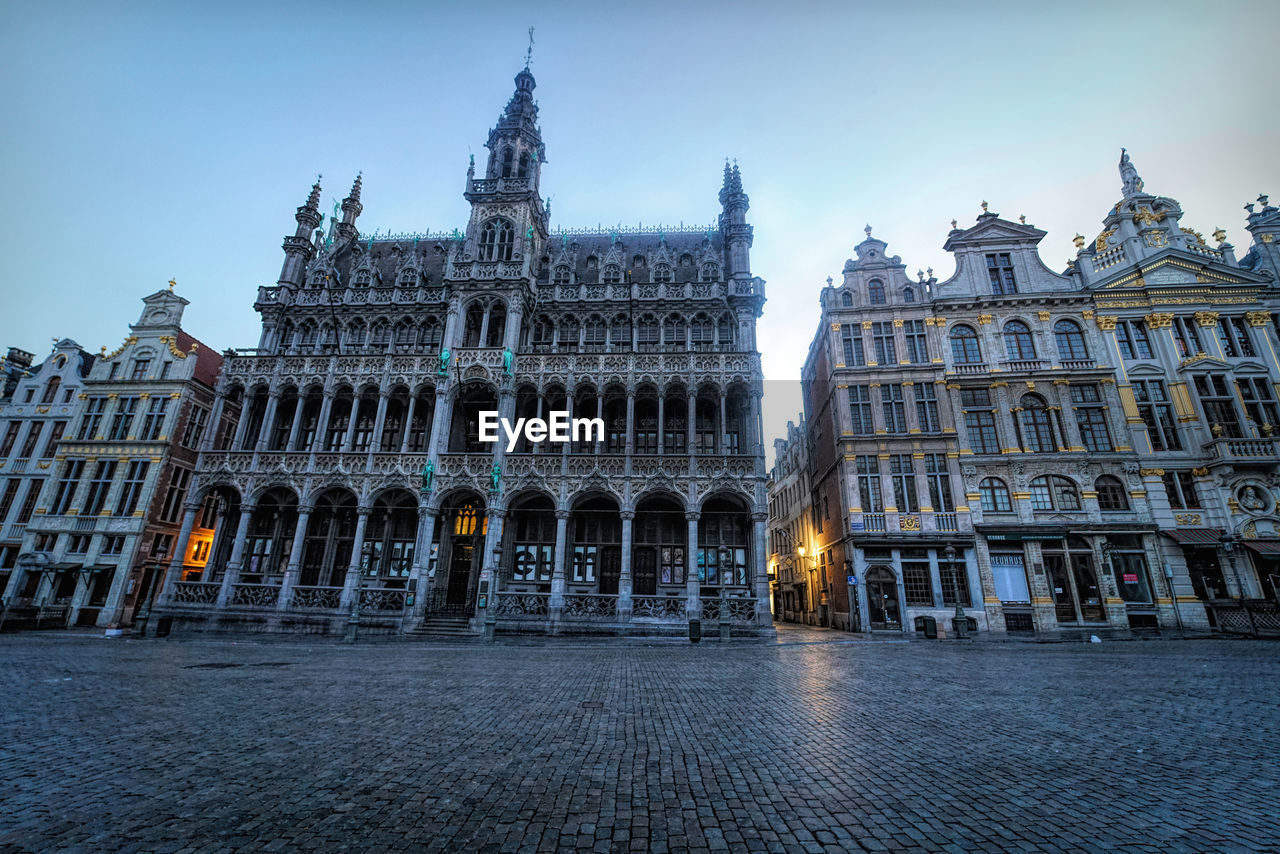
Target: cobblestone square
(804, 745)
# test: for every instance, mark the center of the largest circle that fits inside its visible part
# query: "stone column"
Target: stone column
(174, 573)
(379, 421)
(624, 576)
(351, 583)
(408, 422)
(322, 425)
(291, 444)
(760, 570)
(722, 428)
(422, 556)
(662, 423)
(693, 602)
(556, 603)
(237, 440)
(348, 441)
(690, 425)
(211, 427)
(293, 568)
(268, 417)
(631, 421)
(232, 571)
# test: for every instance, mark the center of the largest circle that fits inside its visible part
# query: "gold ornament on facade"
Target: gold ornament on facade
(1145, 216)
(1151, 472)
(1187, 518)
(1206, 318)
(1078, 240)
(1043, 315)
(909, 523)
(1193, 233)
(1107, 322)
(1159, 320)
(1268, 238)
(1155, 238)
(132, 339)
(1219, 236)
(1203, 471)
(1100, 243)
(1257, 318)
(897, 322)
(1087, 314)
(984, 319)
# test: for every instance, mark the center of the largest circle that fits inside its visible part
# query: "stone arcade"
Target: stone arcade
(346, 474)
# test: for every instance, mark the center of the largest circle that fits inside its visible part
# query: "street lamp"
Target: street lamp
(855, 609)
(1228, 542)
(961, 620)
(353, 619)
(723, 555)
(144, 613)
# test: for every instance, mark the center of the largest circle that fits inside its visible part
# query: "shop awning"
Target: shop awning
(1264, 547)
(1195, 536)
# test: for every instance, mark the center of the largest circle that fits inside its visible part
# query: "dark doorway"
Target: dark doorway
(882, 598)
(644, 571)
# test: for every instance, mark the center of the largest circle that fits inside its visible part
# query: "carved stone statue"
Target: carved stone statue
(495, 478)
(444, 363)
(428, 475)
(1130, 181)
(1250, 500)
(508, 358)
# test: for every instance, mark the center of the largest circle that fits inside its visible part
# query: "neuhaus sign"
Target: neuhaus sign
(558, 428)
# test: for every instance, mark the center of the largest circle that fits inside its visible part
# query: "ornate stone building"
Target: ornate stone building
(121, 431)
(797, 588)
(346, 481)
(1112, 424)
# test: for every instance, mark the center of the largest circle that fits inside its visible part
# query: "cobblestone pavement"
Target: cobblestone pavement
(206, 745)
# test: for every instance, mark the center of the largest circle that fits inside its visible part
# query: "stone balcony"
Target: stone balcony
(1264, 451)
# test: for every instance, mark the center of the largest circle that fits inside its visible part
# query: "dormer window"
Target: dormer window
(409, 277)
(496, 240)
(662, 273)
(1000, 271)
(846, 300)
(710, 272)
(875, 292)
(908, 295)
(612, 274)
(561, 275)
(686, 260)
(362, 279)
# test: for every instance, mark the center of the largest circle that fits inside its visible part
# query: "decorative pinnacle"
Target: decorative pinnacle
(984, 206)
(1078, 240)
(868, 231)
(1263, 199)
(953, 225)
(528, 54)
(173, 283)
(929, 270)
(355, 188)
(313, 200)
(1022, 218)
(1220, 235)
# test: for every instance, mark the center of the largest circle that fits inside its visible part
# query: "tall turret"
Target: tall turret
(297, 246)
(733, 221)
(351, 209)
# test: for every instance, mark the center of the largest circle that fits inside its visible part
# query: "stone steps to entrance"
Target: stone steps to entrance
(442, 628)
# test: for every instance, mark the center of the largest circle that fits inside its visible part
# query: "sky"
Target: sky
(149, 141)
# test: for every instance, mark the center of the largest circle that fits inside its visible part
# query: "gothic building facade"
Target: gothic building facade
(1107, 429)
(345, 481)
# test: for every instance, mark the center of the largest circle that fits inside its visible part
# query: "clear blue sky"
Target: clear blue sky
(144, 141)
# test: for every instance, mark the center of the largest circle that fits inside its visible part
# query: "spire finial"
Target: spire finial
(984, 206)
(528, 54)
(953, 225)
(173, 283)
(355, 188)
(868, 231)
(313, 200)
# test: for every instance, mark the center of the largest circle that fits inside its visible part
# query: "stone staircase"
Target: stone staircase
(442, 628)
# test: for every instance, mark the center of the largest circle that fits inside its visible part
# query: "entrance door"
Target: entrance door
(1064, 604)
(882, 599)
(461, 553)
(644, 571)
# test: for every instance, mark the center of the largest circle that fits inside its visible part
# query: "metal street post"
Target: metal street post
(723, 554)
(353, 619)
(144, 613)
(961, 620)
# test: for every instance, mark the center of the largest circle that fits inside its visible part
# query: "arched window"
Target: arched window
(496, 239)
(661, 273)
(561, 275)
(1070, 340)
(357, 333)
(524, 165)
(381, 335)
(544, 331)
(725, 335)
(701, 332)
(686, 260)
(875, 292)
(405, 333)
(568, 332)
(995, 496)
(673, 331)
(473, 324)
(51, 390)
(846, 299)
(362, 279)
(1111, 493)
(1038, 435)
(507, 157)
(964, 346)
(309, 335)
(1017, 341)
(908, 295)
(409, 277)
(1051, 492)
(620, 331)
(593, 331)
(430, 334)
(612, 274)
(710, 272)
(317, 279)
(647, 332)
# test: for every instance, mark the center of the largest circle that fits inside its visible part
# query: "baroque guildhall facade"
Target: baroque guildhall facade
(343, 481)
(1085, 451)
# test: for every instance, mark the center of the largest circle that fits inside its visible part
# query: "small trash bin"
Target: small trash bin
(164, 625)
(927, 626)
(695, 631)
